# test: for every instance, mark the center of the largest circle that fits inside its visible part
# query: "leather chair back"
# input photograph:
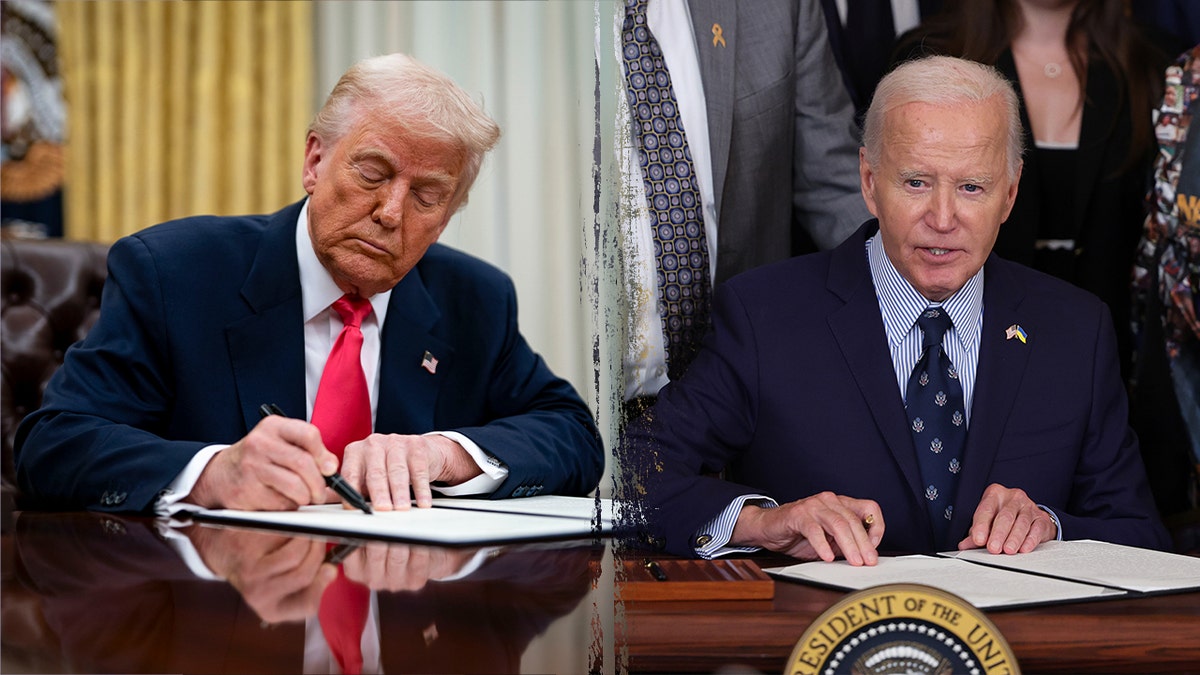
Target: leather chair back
(49, 299)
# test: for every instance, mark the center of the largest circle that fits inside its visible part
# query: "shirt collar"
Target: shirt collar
(318, 289)
(901, 304)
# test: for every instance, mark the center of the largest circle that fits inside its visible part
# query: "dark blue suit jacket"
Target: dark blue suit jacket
(794, 393)
(201, 322)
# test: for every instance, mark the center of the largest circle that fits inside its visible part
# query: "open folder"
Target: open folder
(450, 521)
(1057, 571)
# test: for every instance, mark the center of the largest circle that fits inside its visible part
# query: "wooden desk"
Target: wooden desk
(101, 594)
(1156, 634)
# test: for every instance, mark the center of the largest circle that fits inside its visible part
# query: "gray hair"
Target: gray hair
(943, 80)
(427, 102)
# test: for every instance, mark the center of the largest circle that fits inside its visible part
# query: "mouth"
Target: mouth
(372, 247)
(937, 252)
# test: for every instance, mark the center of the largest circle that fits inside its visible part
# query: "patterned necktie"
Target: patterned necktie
(342, 411)
(936, 411)
(680, 248)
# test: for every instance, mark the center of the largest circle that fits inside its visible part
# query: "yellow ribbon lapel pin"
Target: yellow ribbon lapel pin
(718, 35)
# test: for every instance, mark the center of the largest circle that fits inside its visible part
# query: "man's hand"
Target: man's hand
(385, 566)
(281, 577)
(1008, 521)
(386, 466)
(821, 526)
(278, 466)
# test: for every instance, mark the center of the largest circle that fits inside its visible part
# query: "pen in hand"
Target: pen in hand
(334, 480)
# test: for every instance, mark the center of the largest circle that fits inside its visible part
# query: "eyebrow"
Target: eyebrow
(985, 179)
(435, 178)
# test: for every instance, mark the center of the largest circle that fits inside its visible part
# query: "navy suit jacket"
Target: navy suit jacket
(201, 322)
(794, 393)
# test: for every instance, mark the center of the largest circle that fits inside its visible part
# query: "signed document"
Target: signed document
(1058, 571)
(450, 521)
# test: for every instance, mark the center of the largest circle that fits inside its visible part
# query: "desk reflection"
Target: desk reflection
(97, 593)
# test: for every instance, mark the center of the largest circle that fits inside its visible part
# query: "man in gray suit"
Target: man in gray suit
(770, 134)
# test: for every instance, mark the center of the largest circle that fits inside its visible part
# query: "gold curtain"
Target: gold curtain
(182, 108)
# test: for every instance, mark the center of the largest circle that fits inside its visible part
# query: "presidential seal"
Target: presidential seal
(902, 628)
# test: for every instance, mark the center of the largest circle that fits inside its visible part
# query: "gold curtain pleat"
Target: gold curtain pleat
(182, 108)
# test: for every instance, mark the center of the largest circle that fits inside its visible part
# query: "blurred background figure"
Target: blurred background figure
(1180, 18)
(1166, 391)
(32, 121)
(1088, 78)
(863, 33)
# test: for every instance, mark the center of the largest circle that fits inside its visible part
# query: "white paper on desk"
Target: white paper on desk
(983, 587)
(1098, 562)
(439, 526)
(556, 506)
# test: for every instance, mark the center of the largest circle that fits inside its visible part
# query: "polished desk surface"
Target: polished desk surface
(97, 593)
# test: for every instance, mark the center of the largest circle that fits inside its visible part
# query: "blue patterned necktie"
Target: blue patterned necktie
(680, 248)
(935, 406)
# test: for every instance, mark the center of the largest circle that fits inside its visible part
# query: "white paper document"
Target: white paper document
(1098, 562)
(439, 525)
(1057, 571)
(983, 587)
(555, 506)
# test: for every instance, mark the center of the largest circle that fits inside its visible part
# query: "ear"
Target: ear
(312, 161)
(866, 179)
(1012, 192)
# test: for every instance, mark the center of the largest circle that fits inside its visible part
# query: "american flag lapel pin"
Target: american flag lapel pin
(1015, 331)
(428, 362)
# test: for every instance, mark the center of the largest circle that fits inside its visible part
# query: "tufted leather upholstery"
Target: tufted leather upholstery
(49, 299)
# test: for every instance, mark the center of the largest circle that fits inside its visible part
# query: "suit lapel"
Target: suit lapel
(408, 391)
(1095, 139)
(1002, 363)
(266, 347)
(858, 329)
(716, 73)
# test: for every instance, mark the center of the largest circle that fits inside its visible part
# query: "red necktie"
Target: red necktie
(342, 411)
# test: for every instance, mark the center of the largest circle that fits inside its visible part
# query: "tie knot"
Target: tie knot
(352, 309)
(934, 323)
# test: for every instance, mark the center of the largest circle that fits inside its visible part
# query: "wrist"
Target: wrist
(457, 464)
(747, 527)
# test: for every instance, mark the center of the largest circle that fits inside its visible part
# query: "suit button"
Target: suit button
(119, 498)
(702, 540)
(519, 492)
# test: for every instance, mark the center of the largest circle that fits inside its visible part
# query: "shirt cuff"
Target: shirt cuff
(168, 503)
(711, 540)
(1054, 517)
(185, 549)
(494, 472)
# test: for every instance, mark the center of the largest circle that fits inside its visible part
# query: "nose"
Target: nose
(942, 210)
(389, 208)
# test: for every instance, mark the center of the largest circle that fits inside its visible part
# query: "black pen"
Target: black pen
(340, 552)
(334, 480)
